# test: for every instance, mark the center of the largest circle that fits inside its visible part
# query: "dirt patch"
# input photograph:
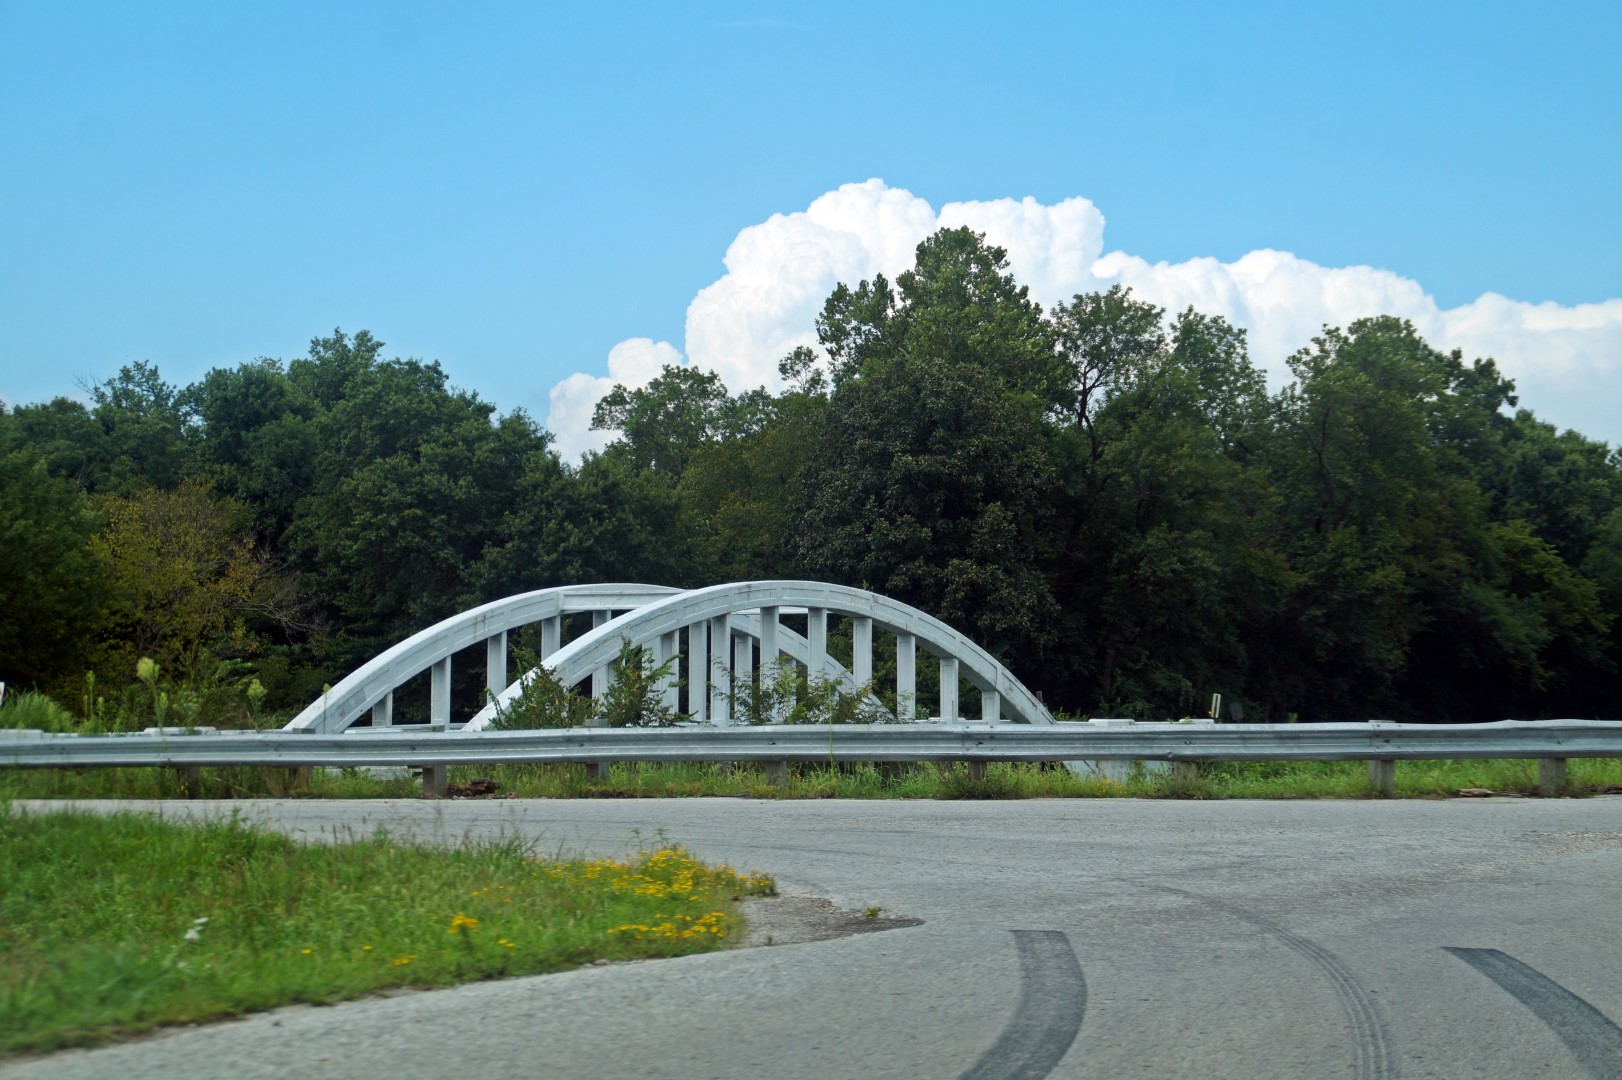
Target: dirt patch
(793, 920)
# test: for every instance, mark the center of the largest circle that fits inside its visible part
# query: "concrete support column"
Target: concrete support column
(383, 711)
(551, 635)
(776, 772)
(1551, 777)
(600, 678)
(1383, 775)
(721, 670)
(439, 696)
(906, 676)
(816, 633)
(861, 649)
(949, 689)
(495, 663)
(668, 649)
(698, 671)
(990, 706)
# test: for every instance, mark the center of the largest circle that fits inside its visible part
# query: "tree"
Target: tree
(664, 423)
(51, 582)
(1156, 509)
(957, 304)
(736, 510)
(926, 484)
(63, 434)
(253, 435)
(187, 585)
(144, 424)
(1561, 483)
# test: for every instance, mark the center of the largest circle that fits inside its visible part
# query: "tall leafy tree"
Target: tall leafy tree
(1157, 508)
(52, 585)
(927, 479)
(144, 424)
(188, 585)
(663, 424)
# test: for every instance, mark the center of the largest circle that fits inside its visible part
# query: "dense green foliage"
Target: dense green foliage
(1105, 495)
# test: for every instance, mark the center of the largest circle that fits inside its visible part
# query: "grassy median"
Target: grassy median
(821, 780)
(113, 924)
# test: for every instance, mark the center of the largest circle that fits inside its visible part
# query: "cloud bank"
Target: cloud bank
(1566, 360)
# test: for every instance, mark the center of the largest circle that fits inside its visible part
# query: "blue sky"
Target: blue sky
(517, 189)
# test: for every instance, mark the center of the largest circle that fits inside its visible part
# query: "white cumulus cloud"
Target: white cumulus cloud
(1567, 360)
(635, 362)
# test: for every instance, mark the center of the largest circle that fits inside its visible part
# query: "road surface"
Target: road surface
(1060, 938)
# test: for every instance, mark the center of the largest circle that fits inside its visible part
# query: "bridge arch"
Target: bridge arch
(370, 687)
(717, 619)
(753, 607)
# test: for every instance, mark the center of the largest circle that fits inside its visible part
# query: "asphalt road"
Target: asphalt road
(1083, 938)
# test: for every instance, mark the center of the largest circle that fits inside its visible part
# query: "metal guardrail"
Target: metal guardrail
(401, 746)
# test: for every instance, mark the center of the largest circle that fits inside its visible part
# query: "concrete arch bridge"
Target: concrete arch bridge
(719, 637)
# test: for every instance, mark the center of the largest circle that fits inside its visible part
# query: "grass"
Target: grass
(113, 924)
(1241, 780)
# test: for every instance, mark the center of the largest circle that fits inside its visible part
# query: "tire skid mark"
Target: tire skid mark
(1052, 1001)
(1593, 1040)
(1372, 1056)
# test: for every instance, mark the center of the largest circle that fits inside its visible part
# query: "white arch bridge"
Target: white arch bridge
(722, 635)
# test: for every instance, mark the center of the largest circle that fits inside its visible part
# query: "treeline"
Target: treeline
(1108, 498)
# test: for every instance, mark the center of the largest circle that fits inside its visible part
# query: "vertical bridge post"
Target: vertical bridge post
(768, 660)
(906, 676)
(721, 669)
(698, 674)
(861, 650)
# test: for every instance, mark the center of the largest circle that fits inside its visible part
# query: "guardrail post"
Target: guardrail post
(598, 770)
(1383, 775)
(1551, 777)
(191, 780)
(776, 772)
(1185, 772)
(435, 778)
(977, 770)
